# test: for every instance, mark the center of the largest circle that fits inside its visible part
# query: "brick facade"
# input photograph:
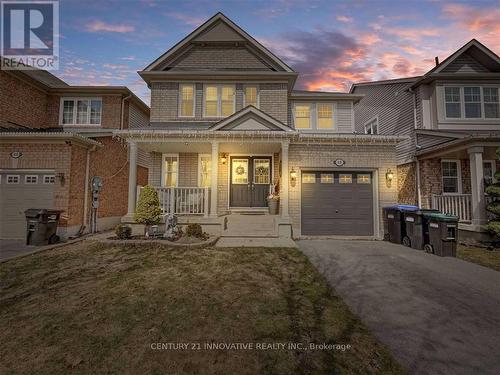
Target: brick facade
(407, 183)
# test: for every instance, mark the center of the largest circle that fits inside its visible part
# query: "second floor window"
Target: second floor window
(325, 116)
(303, 116)
(251, 96)
(81, 111)
(471, 102)
(219, 100)
(186, 100)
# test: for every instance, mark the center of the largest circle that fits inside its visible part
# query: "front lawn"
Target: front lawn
(88, 308)
(487, 258)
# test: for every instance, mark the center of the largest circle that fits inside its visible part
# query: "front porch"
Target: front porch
(453, 180)
(212, 179)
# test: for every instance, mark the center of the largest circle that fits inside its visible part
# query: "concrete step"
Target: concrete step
(250, 226)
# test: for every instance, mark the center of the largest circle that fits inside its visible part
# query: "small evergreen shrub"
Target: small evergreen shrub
(493, 191)
(148, 210)
(123, 232)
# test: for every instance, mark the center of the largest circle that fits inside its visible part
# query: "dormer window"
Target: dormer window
(81, 111)
(219, 100)
(186, 96)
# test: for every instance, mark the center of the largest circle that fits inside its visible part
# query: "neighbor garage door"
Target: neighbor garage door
(337, 203)
(20, 190)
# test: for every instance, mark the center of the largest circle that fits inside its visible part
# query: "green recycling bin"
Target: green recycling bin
(441, 234)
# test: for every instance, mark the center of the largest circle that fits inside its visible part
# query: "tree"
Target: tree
(493, 190)
(148, 210)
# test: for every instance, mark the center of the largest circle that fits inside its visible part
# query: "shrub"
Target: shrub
(148, 210)
(123, 232)
(194, 230)
(493, 190)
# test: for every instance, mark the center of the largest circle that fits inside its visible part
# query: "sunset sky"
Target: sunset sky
(330, 43)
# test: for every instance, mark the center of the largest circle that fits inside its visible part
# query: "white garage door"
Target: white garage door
(20, 190)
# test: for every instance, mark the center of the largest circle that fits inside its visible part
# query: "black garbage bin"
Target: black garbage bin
(394, 224)
(415, 227)
(442, 234)
(41, 226)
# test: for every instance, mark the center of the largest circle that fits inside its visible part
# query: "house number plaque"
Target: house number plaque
(339, 162)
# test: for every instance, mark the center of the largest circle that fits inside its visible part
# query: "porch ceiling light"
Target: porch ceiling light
(389, 175)
(223, 159)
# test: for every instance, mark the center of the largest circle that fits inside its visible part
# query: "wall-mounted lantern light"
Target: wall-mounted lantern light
(223, 159)
(293, 176)
(389, 176)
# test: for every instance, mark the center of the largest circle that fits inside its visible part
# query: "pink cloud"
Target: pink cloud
(99, 26)
(344, 19)
(189, 20)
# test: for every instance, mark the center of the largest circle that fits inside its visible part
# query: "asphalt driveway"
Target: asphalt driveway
(437, 315)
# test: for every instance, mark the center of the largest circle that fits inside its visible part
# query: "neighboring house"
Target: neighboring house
(227, 128)
(452, 116)
(54, 138)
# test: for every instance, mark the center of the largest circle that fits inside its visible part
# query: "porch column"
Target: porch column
(213, 187)
(132, 179)
(477, 186)
(284, 178)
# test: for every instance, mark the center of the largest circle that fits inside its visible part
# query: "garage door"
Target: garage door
(20, 190)
(337, 203)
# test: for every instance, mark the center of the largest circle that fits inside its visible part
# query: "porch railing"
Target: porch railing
(454, 204)
(184, 200)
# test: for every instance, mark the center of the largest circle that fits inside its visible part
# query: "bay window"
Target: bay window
(471, 102)
(186, 98)
(81, 111)
(219, 100)
(472, 99)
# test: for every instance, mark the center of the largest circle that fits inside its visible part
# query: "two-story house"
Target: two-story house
(54, 138)
(227, 129)
(452, 117)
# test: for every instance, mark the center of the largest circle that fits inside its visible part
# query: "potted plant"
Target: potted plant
(148, 210)
(273, 201)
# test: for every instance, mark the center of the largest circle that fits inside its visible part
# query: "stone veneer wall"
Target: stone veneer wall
(376, 157)
(407, 183)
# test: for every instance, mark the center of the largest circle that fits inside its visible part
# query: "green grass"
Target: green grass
(487, 258)
(89, 308)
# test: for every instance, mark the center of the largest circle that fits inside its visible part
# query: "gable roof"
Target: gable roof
(486, 58)
(218, 28)
(265, 121)
(383, 82)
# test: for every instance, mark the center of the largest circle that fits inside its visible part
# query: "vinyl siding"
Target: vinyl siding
(393, 105)
(137, 118)
(465, 64)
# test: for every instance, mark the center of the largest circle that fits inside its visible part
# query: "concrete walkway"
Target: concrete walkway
(255, 242)
(436, 315)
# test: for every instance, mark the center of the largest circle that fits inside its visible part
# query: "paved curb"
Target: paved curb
(45, 248)
(209, 242)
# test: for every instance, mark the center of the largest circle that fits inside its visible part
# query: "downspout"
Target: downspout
(419, 193)
(123, 110)
(86, 188)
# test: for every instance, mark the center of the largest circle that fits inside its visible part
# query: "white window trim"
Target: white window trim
(462, 103)
(179, 100)
(49, 176)
(219, 99)
(75, 109)
(163, 156)
(313, 113)
(245, 95)
(369, 124)
(200, 156)
(459, 175)
(13, 183)
(30, 176)
(493, 168)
